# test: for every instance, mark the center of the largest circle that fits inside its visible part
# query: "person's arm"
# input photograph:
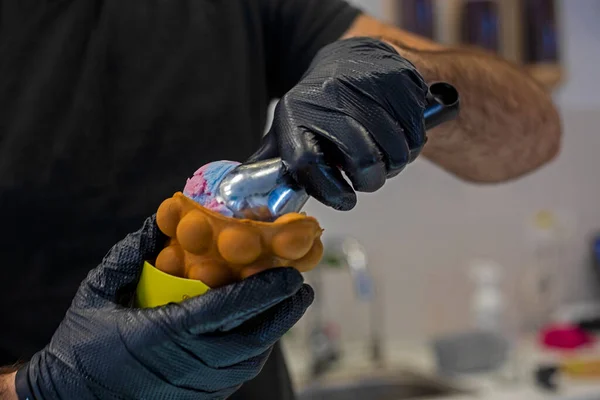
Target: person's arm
(508, 125)
(7, 386)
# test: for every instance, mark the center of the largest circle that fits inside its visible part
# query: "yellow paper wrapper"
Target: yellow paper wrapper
(157, 288)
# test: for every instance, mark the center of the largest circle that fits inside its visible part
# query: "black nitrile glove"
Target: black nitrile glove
(203, 348)
(359, 107)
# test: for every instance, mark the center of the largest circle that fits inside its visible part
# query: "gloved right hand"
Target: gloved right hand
(358, 109)
(203, 348)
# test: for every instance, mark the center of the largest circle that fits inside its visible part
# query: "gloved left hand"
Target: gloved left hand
(202, 348)
(358, 108)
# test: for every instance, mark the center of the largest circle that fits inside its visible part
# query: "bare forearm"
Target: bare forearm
(508, 125)
(7, 386)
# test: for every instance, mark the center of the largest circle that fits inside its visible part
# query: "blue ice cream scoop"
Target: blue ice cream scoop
(261, 191)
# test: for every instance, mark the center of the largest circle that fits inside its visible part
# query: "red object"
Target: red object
(565, 337)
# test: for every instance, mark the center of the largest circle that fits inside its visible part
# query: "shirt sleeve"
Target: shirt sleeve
(295, 30)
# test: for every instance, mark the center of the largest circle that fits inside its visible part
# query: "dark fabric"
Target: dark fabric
(358, 110)
(202, 348)
(106, 106)
(274, 382)
(295, 30)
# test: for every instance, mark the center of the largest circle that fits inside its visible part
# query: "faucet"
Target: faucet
(323, 345)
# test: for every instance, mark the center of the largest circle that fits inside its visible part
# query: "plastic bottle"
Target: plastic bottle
(481, 24)
(491, 319)
(543, 280)
(417, 16)
(488, 303)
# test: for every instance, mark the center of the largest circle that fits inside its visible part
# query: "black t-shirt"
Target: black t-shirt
(107, 106)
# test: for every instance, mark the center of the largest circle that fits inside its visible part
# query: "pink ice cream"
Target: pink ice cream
(202, 187)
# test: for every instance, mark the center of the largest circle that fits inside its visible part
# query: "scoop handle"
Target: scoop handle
(443, 104)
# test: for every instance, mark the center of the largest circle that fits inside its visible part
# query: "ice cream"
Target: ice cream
(203, 186)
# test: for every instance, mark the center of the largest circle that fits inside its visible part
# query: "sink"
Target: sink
(373, 391)
(394, 387)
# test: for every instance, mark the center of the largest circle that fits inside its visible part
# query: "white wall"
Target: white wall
(424, 226)
(581, 52)
(372, 7)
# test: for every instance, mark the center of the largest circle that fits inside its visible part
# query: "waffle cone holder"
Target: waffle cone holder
(207, 250)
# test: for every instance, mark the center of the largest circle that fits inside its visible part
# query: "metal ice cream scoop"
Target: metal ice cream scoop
(264, 190)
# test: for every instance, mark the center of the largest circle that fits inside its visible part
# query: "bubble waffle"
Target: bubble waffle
(217, 250)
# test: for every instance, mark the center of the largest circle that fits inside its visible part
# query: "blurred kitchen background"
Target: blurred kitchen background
(424, 233)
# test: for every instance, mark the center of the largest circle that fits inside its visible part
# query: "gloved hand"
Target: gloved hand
(358, 107)
(203, 348)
